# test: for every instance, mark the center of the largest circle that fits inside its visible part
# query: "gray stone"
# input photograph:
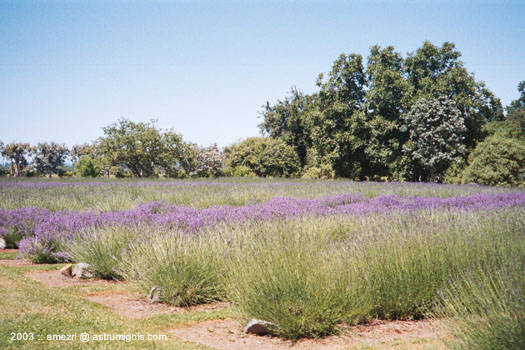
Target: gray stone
(67, 270)
(3, 243)
(154, 294)
(259, 327)
(82, 270)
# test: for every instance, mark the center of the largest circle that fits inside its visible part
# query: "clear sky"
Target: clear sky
(205, 68)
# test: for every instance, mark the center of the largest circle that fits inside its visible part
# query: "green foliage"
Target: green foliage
(49, 158)
(102, 249)
(289, 120)
(519, 104)
(140, 147)
(187, 269)
(497, 161)
(321, 172)
(500, 158)
(264, 157)
(86, 167)
(17, 154)
(485, 310)
(288, 275)
(436, 138)
(354, 123)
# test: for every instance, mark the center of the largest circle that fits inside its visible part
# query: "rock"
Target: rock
(259, 327)
(82, 270)
(3, 243)
(154, 294)
(67, 271)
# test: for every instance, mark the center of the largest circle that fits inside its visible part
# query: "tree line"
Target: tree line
(422, 117)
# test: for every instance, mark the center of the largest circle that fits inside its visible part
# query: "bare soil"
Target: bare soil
(9, 250)
(15, 263)
(132, 307)
(228, 335)
(120, 302)
(53, 278)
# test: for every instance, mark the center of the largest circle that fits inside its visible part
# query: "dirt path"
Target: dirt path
(15, 263)
(120, 302)
(53, 278)
(130, 307)
(228, 335)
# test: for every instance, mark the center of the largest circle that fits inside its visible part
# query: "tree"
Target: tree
(289, 120)
(382, 136)
(500, 158)
(142, 148)
(17, 153)
(264, 156)
(340, 96)
(49, 158)
(354, 127)
(79, 151)
(436, 138)
(434, 71)
(208, 161)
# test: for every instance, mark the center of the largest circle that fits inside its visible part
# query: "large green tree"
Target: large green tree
(341, 95)
(438, 71)
(383, 133)
(353, 125)
(290, 121)
(435, 142)
(49, 158)
(17, 153)
(141, 147)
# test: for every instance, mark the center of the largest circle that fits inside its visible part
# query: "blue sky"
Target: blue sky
(205, 68)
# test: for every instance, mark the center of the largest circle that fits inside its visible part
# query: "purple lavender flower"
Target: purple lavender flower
(43, 234)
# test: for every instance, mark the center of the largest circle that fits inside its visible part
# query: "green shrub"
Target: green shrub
(320, 172)
(102, 248)
(497, 161)
(264, 157)
(309, 275)
(86, 167)
(295, 278)
(485, 310)
(186, 268)
(241, 170)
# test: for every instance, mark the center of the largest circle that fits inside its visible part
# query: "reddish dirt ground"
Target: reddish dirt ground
(228, 335)
(9, 250)
(15, 263)
(121, 303)
(53, 278)
(130, 307)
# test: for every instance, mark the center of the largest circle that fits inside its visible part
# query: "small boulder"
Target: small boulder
(3, 243)
(67, 271)
(82, 270)
(154, 294)
(259, 327)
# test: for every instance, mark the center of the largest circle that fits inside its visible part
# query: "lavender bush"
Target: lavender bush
(43, 233)
(305, 255)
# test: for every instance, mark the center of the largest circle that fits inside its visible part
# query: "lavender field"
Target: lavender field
(305, 255)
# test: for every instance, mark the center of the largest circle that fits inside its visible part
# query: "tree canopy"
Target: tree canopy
(358, 122)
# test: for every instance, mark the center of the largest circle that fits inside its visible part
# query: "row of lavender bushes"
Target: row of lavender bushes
(308, 275)
(113, 195)
(306, 265)
(41, 234)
